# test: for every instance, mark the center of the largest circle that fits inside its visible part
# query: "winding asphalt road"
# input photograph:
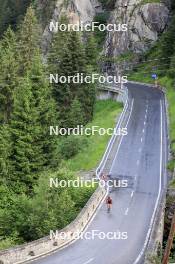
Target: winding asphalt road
(141, 159)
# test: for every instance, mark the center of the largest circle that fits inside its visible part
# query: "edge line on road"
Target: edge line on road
(122, 135)
(113, 138)
(159, 193)
(88, 261)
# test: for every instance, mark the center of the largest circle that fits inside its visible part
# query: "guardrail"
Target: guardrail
(44, 246)
(156, 235)
(113, 138)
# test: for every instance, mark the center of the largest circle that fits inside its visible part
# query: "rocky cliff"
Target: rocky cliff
(146, 21)
(75, 10)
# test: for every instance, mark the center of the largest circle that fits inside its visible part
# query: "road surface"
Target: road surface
(141, 159)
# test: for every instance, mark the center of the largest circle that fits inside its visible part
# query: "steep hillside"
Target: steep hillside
(75, 10)
(146, 21)
(11, 12)
(160, 59)
(30, 104)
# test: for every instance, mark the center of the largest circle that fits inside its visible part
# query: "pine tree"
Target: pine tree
(171, 71)
(8, 77)
(34, 112)
(91, 51)
(84, 92)
(5, 151)
(76, 116)
(70, 62)
(87, 97)
(167, 44)
(58, 47)
(45, 107)
(29, 40)
(26, 157)
(58, 61)
(11, 13)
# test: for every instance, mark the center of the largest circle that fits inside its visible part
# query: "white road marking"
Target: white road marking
(138, 162)
(135, 178)
(159, 193)
(132, 193)
(112, 140)
(126, 212)
(90, 260)
(144, 123)
(122, 135)
(140, 149)
(141, 139)
(143, 130)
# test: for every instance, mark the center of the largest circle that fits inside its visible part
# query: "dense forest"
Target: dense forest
(12, 12)
(29, 105)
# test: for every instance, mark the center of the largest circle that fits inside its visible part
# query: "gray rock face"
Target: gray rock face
(145, 23)
(47, 35)
(83, 11)
(76, 11)
(155, 16)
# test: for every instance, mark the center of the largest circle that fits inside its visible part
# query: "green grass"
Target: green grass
(150, 1)
(105, 115)
(169, 84)
(172, 184)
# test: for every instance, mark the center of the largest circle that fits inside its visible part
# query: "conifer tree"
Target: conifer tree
(8, 77)
(45, 107)
(34, 111)
(26, 157)
(87, 97)
(167, 44)
(57, 64)
(171, 71)
(76, 116)
(58, 47)
(29, 40)
(5, 151)
(70, 62)
(91, 51)
(11, 12)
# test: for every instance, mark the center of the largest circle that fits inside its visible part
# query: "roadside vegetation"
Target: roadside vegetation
(104, 117)
(29, 105)
(161, 60)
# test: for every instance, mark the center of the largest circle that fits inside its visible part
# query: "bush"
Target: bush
(71, 146)
(171, 165)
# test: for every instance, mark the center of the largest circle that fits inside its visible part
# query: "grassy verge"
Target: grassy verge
(89, 157)
(169, 84)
